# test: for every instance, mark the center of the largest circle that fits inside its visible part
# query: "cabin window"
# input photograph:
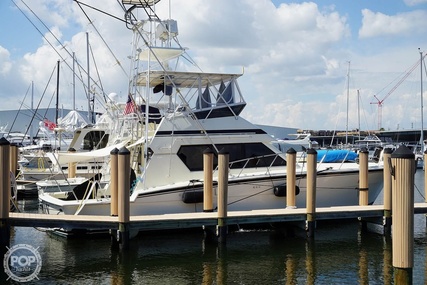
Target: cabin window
(95, 140)
(261, 156)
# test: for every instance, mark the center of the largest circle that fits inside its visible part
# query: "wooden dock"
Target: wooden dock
(200, 219)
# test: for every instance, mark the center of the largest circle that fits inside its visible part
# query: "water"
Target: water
(339, 254)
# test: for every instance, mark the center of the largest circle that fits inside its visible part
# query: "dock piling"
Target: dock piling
(363, 177)
(363, 184)
(13, 158)
(114, 192)
(5, 192)
(311, 191)
(223, 158)
(403, 167)
(123, 179)
(291, 156)
(114, 181)
(72, 166)
(208, 180)
(387, 191)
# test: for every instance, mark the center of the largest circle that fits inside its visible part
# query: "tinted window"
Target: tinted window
(239, 154)
(95, 140)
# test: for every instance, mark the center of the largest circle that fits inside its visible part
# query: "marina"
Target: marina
(176, 173)
(340, 253)
(402, 162)
(174, 113)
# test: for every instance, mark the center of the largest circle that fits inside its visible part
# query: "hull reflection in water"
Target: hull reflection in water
(338, 255)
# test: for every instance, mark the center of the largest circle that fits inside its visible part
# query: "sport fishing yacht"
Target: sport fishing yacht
(180, 114)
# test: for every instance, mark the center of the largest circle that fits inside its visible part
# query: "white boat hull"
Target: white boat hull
(64, 185)
(244, 194)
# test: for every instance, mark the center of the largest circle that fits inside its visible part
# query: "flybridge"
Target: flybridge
(208, 94)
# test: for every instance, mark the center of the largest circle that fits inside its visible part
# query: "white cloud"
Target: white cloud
(414, 2)
(294, 56)
(51, 12)
(404, 24)
(5, 64)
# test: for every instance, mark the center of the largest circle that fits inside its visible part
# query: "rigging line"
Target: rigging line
(97, 73)
(360, 103)
(33, 112)
(53, 47)
(365, 117)
(99, 34)
(86, 88)
(401, 78)
(63, 47)
(147, 44)
(151, 15)
(250, 196)
(31, 121)
(44, 92)
(338, 113)
(419, 191)
(17, 113)
(180, 95)
(122, 6)
(425, 67)
(45, 112)
(98, 10)
(255, 194)
(336, 125)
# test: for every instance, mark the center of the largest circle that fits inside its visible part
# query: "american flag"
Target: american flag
(130, 106)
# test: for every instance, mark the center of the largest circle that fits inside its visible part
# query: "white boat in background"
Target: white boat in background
(72, 185)
(17, 138)
(374, 145)
(20, 139)
(189, 112)
(58, 185)
(369, 142)
(44, 162)
(301, 142)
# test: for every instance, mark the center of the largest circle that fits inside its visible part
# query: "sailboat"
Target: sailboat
(40, 162)
(195, 111)
(419, 156)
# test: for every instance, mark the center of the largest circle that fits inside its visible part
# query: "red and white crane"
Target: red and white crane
(380, 102)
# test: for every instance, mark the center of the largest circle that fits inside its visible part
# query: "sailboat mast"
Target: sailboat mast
(57, 106)
(348, 98)
(74, 82)
(57, 94)
(32, 110)
(89, 114)
(422, 102)
(358, 111)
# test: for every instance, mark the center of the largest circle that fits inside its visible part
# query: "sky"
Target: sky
(308, 65)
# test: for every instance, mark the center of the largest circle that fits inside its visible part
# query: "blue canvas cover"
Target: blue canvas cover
(335, 155)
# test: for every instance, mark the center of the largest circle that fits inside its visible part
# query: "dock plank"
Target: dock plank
(199, 219)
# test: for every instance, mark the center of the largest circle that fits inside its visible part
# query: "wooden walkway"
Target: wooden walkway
(195, 220)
